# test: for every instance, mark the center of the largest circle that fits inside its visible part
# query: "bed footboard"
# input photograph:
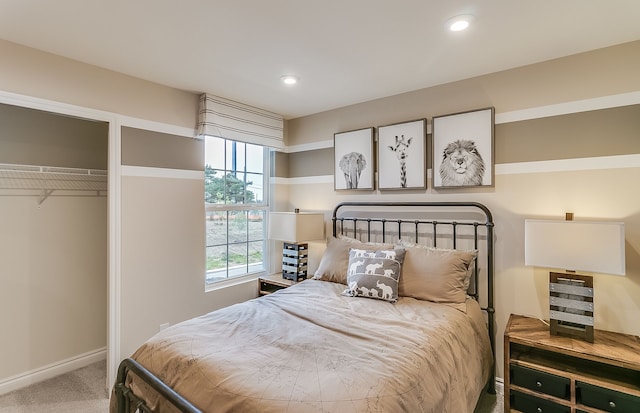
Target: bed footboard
(128, 402)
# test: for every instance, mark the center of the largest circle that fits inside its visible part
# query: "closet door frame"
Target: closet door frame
(114, 194)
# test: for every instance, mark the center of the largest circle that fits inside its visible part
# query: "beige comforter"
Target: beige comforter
(310, 349)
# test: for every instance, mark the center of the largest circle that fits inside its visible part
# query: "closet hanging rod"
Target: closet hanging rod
(49, 178)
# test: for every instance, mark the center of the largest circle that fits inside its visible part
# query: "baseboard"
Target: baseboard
(51, 370)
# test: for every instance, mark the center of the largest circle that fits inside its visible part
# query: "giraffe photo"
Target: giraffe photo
(401, 155)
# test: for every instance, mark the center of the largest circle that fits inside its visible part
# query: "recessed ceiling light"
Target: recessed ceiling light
(289, 79)
(459, 23)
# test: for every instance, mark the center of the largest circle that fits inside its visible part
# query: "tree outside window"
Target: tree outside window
(235, 208)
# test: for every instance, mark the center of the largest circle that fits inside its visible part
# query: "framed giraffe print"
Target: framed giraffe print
(402, 155)
(354, 164)
(463, 149)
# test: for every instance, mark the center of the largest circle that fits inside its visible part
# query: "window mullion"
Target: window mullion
(227, 247)
(230, 207)
(246, 244)
(220, 204)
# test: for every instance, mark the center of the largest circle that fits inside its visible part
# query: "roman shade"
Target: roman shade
(228, 119)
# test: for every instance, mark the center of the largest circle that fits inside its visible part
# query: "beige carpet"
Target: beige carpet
(491, 403)
(83, 391)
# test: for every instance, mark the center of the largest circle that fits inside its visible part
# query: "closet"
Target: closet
(53, 242)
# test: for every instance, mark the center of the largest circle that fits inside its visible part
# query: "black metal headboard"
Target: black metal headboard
(455, 225)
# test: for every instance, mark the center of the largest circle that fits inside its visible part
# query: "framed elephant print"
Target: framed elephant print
(354, 164)
(463, 149)
(402, 155)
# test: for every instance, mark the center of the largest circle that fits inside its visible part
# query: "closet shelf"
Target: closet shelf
(51, 178)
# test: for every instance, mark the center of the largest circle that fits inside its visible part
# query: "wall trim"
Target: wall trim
(55, 107)
(149, 125)
(52, 370)
(560, 165)
(576, 106)
(303, 147)
(303, 180)
(150, 172)
(114, 304)
(570, 165)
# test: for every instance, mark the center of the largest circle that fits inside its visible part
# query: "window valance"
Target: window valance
(233, 120)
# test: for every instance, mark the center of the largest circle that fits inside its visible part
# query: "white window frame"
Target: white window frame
(265, 207)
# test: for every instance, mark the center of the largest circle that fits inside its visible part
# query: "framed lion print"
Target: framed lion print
(354, 163)
(463, 149)
(402, 155)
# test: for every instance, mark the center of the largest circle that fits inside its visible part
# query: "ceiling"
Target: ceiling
(343, 51)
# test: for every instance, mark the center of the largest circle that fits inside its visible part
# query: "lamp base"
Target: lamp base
(571, 305)
(294, 261)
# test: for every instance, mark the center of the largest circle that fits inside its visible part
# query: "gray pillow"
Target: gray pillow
(437, 274)
(374, 273)
(333, 265)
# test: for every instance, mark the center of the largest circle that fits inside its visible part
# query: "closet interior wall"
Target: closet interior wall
(53, 240)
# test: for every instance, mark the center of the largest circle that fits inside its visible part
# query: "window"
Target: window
(236, 204)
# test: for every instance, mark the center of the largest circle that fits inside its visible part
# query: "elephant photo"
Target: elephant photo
(352, 165)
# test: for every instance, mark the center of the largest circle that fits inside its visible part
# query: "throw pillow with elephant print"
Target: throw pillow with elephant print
(374, 274)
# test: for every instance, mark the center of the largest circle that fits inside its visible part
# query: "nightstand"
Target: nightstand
(555, 374)
(268, 284)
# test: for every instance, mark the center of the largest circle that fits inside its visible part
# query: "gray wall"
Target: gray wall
(35, 137)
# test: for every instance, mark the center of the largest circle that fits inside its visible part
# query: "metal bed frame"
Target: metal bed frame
(368, 228)
(367, 222)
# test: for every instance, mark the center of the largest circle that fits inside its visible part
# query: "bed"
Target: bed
(357, 337)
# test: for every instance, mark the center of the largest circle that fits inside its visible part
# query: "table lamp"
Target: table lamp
(294, 228)
(574, 245)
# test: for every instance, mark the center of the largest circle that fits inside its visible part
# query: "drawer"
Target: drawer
(606, 399)
(540, 382)
(531, 404)
(268, 288)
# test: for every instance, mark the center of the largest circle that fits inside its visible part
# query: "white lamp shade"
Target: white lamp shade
(296, 227)
(575, 245)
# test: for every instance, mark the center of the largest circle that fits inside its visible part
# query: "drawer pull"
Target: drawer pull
(539, 410)
(539, 383)
(612, 405)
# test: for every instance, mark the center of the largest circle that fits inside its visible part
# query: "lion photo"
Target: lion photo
(462, 164)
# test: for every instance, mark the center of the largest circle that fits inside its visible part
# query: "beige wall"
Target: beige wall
(163, 263)
(31, 72)
(576, 135)
(161, 240)
(53, 300)
(580, 179)
(53, 255)
(603, 72)
(162, 243)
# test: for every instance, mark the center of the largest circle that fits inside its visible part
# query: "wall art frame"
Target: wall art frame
(463, 149)
(354, 162)
(402, 155)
